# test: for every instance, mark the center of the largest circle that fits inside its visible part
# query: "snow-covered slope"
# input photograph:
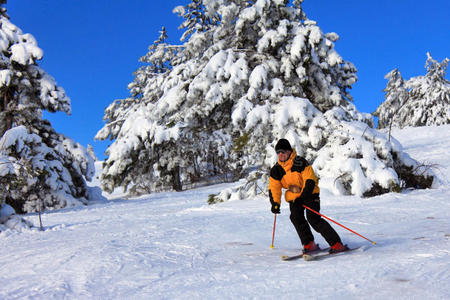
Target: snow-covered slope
(430, 145)
(175, 246)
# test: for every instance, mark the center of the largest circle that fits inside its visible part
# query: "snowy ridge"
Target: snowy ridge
(175, 246)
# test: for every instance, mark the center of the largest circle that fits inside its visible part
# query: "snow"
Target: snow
(239, 114)
(5, 77)
(25, 53)
(257, 79)
(418, 101)
(5, 212)
(298, 44)
(175, 246)
(24, 49)
(18, 137)
(429, 145)
(259, 114)
(294, 110)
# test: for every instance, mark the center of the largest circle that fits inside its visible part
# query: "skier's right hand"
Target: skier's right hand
(299, 201)
(275, 208)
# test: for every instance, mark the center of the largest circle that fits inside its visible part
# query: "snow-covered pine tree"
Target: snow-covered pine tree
(199, 15)
(131, 162)
(39, 167)
(395, 96)
(421, 101)
(264, 71)
(429, 97)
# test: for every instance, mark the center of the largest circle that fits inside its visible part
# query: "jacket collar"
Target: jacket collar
(287, 165)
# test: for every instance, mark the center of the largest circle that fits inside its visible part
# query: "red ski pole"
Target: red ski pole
(273, 234)
(373, 243)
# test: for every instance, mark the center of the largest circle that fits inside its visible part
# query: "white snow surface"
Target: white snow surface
(175, 246)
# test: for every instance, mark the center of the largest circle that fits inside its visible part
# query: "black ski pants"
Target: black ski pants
(317, 222)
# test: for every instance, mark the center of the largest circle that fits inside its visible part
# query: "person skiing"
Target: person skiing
(294, 174)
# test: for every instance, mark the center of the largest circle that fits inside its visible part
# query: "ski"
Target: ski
(319, 256)
(297, 256)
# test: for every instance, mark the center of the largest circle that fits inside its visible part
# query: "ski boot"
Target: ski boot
(338, 247)
(310, 247)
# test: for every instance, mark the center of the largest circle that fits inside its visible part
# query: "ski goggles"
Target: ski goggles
(281, 151)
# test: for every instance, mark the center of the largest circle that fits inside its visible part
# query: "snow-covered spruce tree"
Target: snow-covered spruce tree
(395, 96)
(131, 161)
(421, 101)
(38, 166)
(429, 97)
(264, 71)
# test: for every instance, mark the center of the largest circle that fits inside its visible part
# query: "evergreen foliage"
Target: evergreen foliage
(420, 101)
(250, 72)
(38, 167)
(396, 95)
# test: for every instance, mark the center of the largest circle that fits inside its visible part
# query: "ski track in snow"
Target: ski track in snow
(175, 246)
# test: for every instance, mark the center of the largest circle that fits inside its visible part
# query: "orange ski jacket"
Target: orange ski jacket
(291, 175)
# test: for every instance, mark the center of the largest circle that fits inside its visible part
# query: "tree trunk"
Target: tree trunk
(8, 120)
(176, 180)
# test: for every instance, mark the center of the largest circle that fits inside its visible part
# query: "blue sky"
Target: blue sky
(92, 48)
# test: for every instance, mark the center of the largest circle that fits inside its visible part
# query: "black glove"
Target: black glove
(306, 194)
(299, 201)
(275, 208)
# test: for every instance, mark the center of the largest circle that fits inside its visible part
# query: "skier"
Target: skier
(294, 174)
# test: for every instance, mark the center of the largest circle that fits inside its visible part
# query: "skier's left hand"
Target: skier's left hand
(299, 201)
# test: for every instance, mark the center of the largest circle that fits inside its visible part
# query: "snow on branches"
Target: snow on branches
(39, 168)
(46, 172)
(264, 71)
(419, 101)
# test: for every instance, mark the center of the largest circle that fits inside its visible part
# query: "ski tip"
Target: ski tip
(308, 257)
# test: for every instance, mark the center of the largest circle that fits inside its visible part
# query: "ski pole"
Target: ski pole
(373, 243)
(273, 234)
